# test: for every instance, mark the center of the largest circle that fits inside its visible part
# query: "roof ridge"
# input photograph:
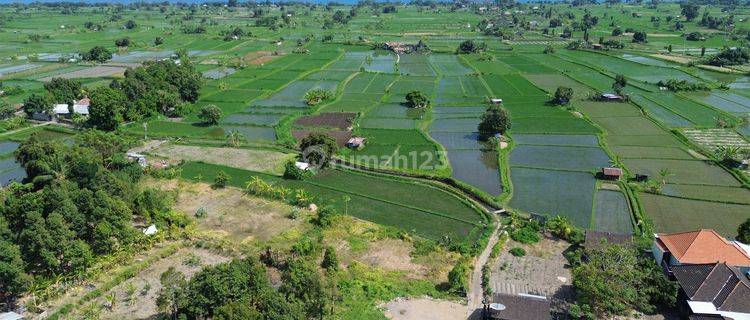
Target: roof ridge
(731, 291)
(703, 281)
(697, 233)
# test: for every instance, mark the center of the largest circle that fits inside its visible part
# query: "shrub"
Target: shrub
(526, 235)
(517, 252)
(563, 95)
(325, 218)
(210, 114)
(458, 281)
(221, 180)
(201, 213)
(639, 37)
(291, 171)
(316, 96)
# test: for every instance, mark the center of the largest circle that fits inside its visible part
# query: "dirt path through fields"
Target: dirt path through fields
(475, 293)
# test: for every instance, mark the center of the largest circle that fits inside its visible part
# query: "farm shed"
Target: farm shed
(598, 240)
(302, 165)
(356, 143)
(611, 97)
(496, 101)
(517, 307)
(611, 173)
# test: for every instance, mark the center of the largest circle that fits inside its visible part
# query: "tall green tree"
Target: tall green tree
(105, 111)
(63, 90)
(743, 232)
(494, 120)
(615, 281)
(37, 103)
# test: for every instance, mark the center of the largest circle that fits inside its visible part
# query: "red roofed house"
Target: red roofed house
(697, 247)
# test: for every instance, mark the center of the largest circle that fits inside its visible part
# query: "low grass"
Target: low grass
(671, 214)
(683, 171)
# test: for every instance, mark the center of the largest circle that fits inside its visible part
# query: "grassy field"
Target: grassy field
(408, 206)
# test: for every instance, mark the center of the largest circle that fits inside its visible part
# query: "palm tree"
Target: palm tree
(234, 138)
(727, 153)
(347, 198)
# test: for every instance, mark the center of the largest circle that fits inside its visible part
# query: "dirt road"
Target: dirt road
(476, 293)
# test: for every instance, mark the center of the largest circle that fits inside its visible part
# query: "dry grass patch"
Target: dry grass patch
(136, 298)
(248, 159)
(368, 243)
(230, 213)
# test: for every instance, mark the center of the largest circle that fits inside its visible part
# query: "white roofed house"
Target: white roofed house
(79, 107)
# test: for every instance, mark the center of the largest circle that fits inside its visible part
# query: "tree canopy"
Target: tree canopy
(616, 280)
(79, 201)
(494, 120)
(417, 99)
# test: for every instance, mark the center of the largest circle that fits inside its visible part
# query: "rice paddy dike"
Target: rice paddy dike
(549, 167)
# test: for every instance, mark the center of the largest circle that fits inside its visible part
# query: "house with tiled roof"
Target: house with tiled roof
(698, 247)
(713, 291)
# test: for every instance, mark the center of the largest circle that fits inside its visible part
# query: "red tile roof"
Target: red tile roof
(703, 246)
(612, 171)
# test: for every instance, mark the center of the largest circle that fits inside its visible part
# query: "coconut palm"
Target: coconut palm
(727, 153)
(234, 138)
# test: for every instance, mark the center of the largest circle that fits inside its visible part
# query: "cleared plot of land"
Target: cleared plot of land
(255, 160)
(683, 171)
(339, 120)
(92, 72)
(550, 192)
(612, 212)
(542, 271)
(675, 215)
(710, 139)
(424, 308)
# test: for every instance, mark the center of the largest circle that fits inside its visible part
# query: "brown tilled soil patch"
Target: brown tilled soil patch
(255, 54)
(339, 120)
(263, 60)
(424, 308)
(93, 72)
